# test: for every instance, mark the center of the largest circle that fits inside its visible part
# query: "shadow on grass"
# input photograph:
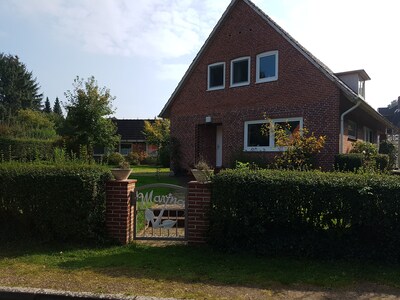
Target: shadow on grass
(203, 265)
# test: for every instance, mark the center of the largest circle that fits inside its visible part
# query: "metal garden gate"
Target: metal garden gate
(160, 212)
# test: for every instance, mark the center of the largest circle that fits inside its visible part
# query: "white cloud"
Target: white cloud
(156, 28)
(172, 71)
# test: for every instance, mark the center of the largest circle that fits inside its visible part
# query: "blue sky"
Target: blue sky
(140, 49)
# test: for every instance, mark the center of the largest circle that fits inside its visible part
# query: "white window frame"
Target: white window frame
(221, 87)
(267, 79)
(271, 147)
(248, 71)
(367, 131)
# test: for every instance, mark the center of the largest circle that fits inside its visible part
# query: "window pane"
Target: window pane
(216, 76)
(352, 129)
(289, 127)
(240, 71)
(126, 149)
(255, 137)
(267, 66)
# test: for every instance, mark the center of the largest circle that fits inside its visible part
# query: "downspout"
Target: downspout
(342, 124)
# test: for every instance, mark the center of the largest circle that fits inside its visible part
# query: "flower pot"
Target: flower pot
(202, 175)
(121, 174)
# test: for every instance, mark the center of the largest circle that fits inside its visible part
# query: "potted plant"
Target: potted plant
(202, 171)
(123, 172)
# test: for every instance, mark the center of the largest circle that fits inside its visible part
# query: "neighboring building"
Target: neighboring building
(248, 67)
(132, 138)
(392, 112)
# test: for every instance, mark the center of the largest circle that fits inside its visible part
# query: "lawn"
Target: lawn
(182, 271)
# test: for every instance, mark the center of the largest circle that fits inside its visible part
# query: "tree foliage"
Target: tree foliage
(158, 132)
(88, 111)
(18, 87)
(47, 107)
(57, 107)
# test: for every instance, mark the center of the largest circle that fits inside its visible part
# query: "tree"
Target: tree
(88, 111)
(18, 88)
(57, 107)
(47, 107)
(158, 133)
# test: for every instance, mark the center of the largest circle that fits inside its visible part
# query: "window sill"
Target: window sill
(267, 80)
(215, 89)
(270, 149)
(239, 84)
(351, 138)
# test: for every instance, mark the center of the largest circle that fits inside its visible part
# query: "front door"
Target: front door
(218, 155)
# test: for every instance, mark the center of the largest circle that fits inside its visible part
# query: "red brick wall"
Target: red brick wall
(119, 212)
(199, 203)
(300, 91)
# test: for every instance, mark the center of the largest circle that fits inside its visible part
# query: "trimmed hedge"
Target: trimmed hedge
(313, 214)
(52, 202)
(354, 161)
(26, 149)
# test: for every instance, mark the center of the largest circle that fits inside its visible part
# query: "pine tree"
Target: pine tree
(18, 88)
(47, 107)
(57, 107)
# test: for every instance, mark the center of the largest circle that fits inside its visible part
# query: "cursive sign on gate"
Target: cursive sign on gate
(160, 212)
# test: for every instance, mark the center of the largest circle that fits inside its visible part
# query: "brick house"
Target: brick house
(249, 66)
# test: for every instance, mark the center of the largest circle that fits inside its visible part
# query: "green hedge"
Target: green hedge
(310, 214)
(52, 202)
(26, 149)
(354, 161)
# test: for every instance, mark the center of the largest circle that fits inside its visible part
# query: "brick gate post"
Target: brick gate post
(199, 204)
(119, 212)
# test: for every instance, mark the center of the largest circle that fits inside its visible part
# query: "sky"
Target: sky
(140, 49)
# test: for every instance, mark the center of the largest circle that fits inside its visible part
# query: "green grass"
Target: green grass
(202, 265)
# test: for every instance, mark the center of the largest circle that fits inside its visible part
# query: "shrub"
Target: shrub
(301, 147)
(133, 158)
(349, 162)
(115, 158)
(313, 214)
(382, 162)
(386, 147)
(52, 202)
(25, 149)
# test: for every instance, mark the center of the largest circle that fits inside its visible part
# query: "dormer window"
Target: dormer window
(216, 76)
(355, 80)
(240, 71)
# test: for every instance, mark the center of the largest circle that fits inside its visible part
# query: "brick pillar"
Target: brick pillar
(119, 212)
(199, 204)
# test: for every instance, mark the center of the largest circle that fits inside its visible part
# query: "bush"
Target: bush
(382, 162)
(133, 158)
(313, 214)
(386, 147)
(115, 158)
(349, 162)
(25, 149)
(52, 202)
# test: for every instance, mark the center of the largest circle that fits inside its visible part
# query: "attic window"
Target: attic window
(267, 66)
(240, 71)
(216, 76)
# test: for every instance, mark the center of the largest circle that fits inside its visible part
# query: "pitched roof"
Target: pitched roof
(130, 130)
(348, 92)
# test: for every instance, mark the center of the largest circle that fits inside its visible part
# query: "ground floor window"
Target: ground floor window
(351, 130)
(369, 135)
(258, 138)
(125, 149)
